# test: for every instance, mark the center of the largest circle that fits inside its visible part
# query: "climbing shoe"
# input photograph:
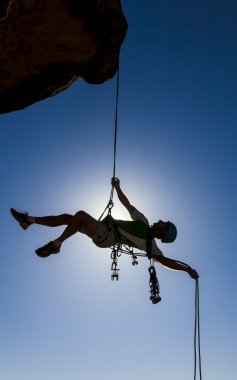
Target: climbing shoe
(47, 250)
(21, 218)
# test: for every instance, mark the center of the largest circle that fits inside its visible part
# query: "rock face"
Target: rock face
(4, 6)
(46, 45)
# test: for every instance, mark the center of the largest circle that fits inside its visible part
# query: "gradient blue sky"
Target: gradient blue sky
(62, 318)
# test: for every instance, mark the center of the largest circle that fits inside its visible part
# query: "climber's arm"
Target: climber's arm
(121, 196)
(176, 265)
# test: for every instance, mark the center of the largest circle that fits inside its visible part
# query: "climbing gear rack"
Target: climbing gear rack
(115, 254)
(154, 286)
(117, 251)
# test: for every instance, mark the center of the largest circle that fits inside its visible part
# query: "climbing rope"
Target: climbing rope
(153, 283)
(121, 247)
(115, 132)
(110, 203)
(197, 334)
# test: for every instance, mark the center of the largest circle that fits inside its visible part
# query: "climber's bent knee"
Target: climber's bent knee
(66, 218)
(81, 214)
(86, 223)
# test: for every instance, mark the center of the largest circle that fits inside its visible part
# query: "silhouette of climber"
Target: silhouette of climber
(106, 233)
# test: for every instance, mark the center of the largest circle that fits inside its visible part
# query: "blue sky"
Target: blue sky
(63, 318)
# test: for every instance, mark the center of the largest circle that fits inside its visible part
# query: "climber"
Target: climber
(106, 233)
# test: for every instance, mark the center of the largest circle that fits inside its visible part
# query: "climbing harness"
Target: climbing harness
(197, 334)
(121, 245)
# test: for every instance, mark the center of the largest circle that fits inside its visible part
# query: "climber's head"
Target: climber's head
(165, 231)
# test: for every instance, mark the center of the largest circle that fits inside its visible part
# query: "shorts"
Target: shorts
(104, 237)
